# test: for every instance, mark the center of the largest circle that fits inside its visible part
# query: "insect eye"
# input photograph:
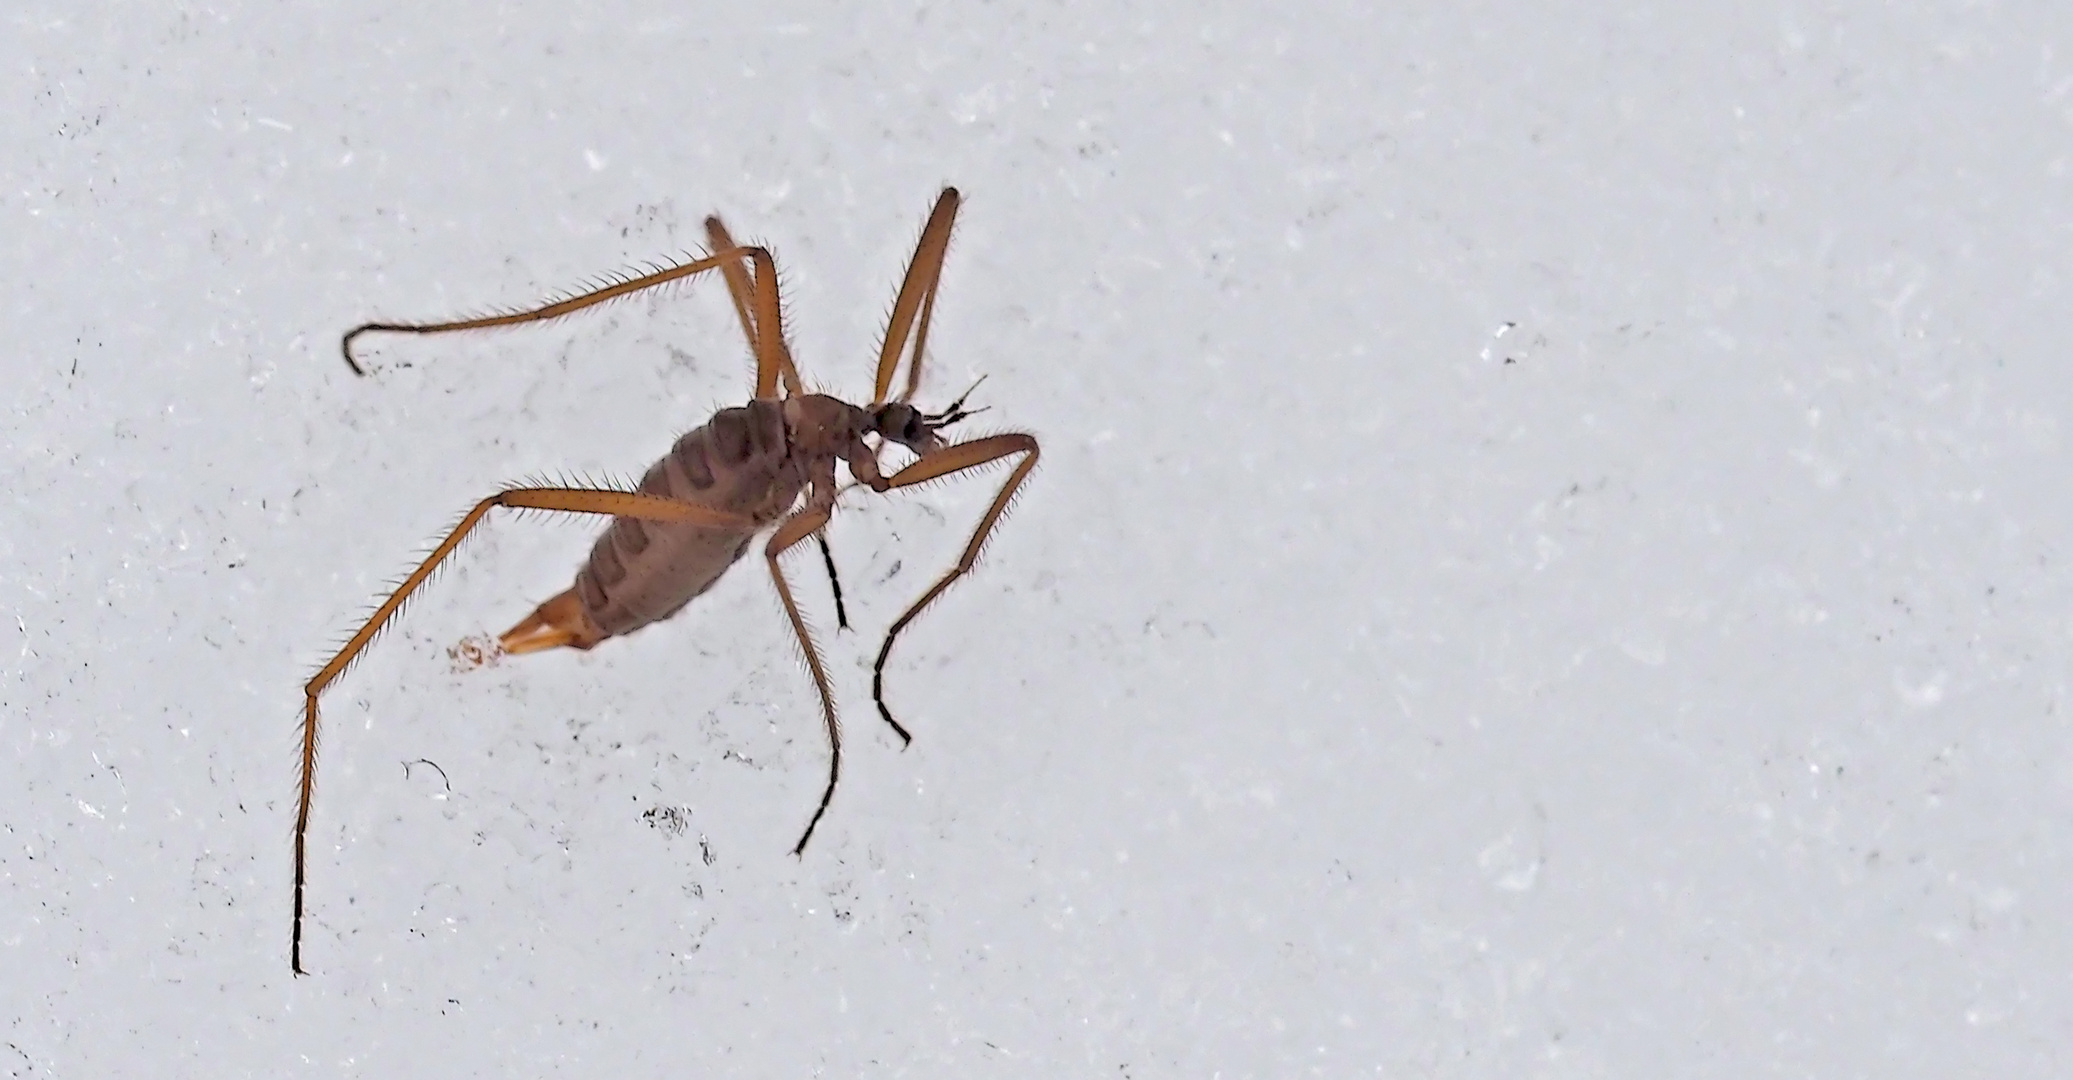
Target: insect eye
(898, 422)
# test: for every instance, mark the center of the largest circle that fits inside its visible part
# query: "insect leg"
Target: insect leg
(576, 500)
(917, 299)
(799, 526)
(954, 459)
(740, 286)
(765, 270)
(743, 289)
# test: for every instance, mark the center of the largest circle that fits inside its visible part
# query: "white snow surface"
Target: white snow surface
(1550, 557)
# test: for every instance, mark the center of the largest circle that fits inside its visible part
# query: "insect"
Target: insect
(770, 463)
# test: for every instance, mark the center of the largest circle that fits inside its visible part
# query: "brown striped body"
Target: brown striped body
(641, 572)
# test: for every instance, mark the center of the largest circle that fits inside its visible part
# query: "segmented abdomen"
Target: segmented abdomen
(643, 571)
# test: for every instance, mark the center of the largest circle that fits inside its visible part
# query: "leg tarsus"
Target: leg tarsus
(878, 694)
(345, 345)
(834, 582)
(827, 796)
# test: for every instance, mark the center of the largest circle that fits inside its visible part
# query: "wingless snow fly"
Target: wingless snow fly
(693, 515)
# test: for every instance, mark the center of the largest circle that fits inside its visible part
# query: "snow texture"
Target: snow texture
(1551, 554)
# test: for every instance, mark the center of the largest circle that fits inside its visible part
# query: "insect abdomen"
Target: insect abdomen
(643, 571)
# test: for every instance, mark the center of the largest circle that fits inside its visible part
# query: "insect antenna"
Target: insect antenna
(956, 410)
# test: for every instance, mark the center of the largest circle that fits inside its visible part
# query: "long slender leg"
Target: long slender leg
(772, 355)
(739, 285)
(576, 500)
(742, 288)
(917, 299)
(799, 526)
(953, 459)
